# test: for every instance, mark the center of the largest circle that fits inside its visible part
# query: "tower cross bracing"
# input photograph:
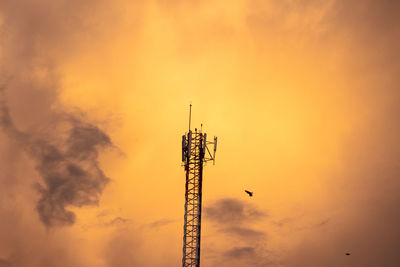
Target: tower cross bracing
(195, 151)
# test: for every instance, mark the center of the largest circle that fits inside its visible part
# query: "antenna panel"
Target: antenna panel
(183, 147)
(189, 145)
(204, 143)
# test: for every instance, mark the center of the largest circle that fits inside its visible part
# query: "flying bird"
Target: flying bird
(347, 254)
(248, 192)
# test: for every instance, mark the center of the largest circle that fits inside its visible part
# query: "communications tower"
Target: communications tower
(195, 151)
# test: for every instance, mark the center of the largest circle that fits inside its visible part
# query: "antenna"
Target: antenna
(195, 152)
(190, 115)
(215, 149)
(183, 147)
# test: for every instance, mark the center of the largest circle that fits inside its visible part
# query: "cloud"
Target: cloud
(234, 219)
(5, 263)
(356, 46)
(123, 249)
(240, 252)
(68, 166)
(243, 232)
(247, 256)
(36, 37)
(364, 186)
(49, 155)
(160, 223)
(118, 221)
(293, 224)
(232, 211)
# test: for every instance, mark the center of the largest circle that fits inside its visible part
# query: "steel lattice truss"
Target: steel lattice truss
(194, 176)
(195, 152)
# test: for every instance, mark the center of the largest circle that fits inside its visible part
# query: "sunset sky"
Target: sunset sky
(303, 96)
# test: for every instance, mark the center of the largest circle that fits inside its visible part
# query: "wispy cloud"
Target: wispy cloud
(160, 223)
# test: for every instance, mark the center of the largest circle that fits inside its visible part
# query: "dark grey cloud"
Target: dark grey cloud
(35, 38)
(234, 220)
(68, 166)
(49, 155)
(118, 221)
(232, 211)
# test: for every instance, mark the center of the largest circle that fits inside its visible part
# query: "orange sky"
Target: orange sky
(303, 96)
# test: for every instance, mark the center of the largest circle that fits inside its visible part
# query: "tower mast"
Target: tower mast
(195, 151)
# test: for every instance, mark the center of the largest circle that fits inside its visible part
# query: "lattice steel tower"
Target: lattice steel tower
(195, 151)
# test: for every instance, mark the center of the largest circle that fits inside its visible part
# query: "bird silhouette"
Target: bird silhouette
(249, 193)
